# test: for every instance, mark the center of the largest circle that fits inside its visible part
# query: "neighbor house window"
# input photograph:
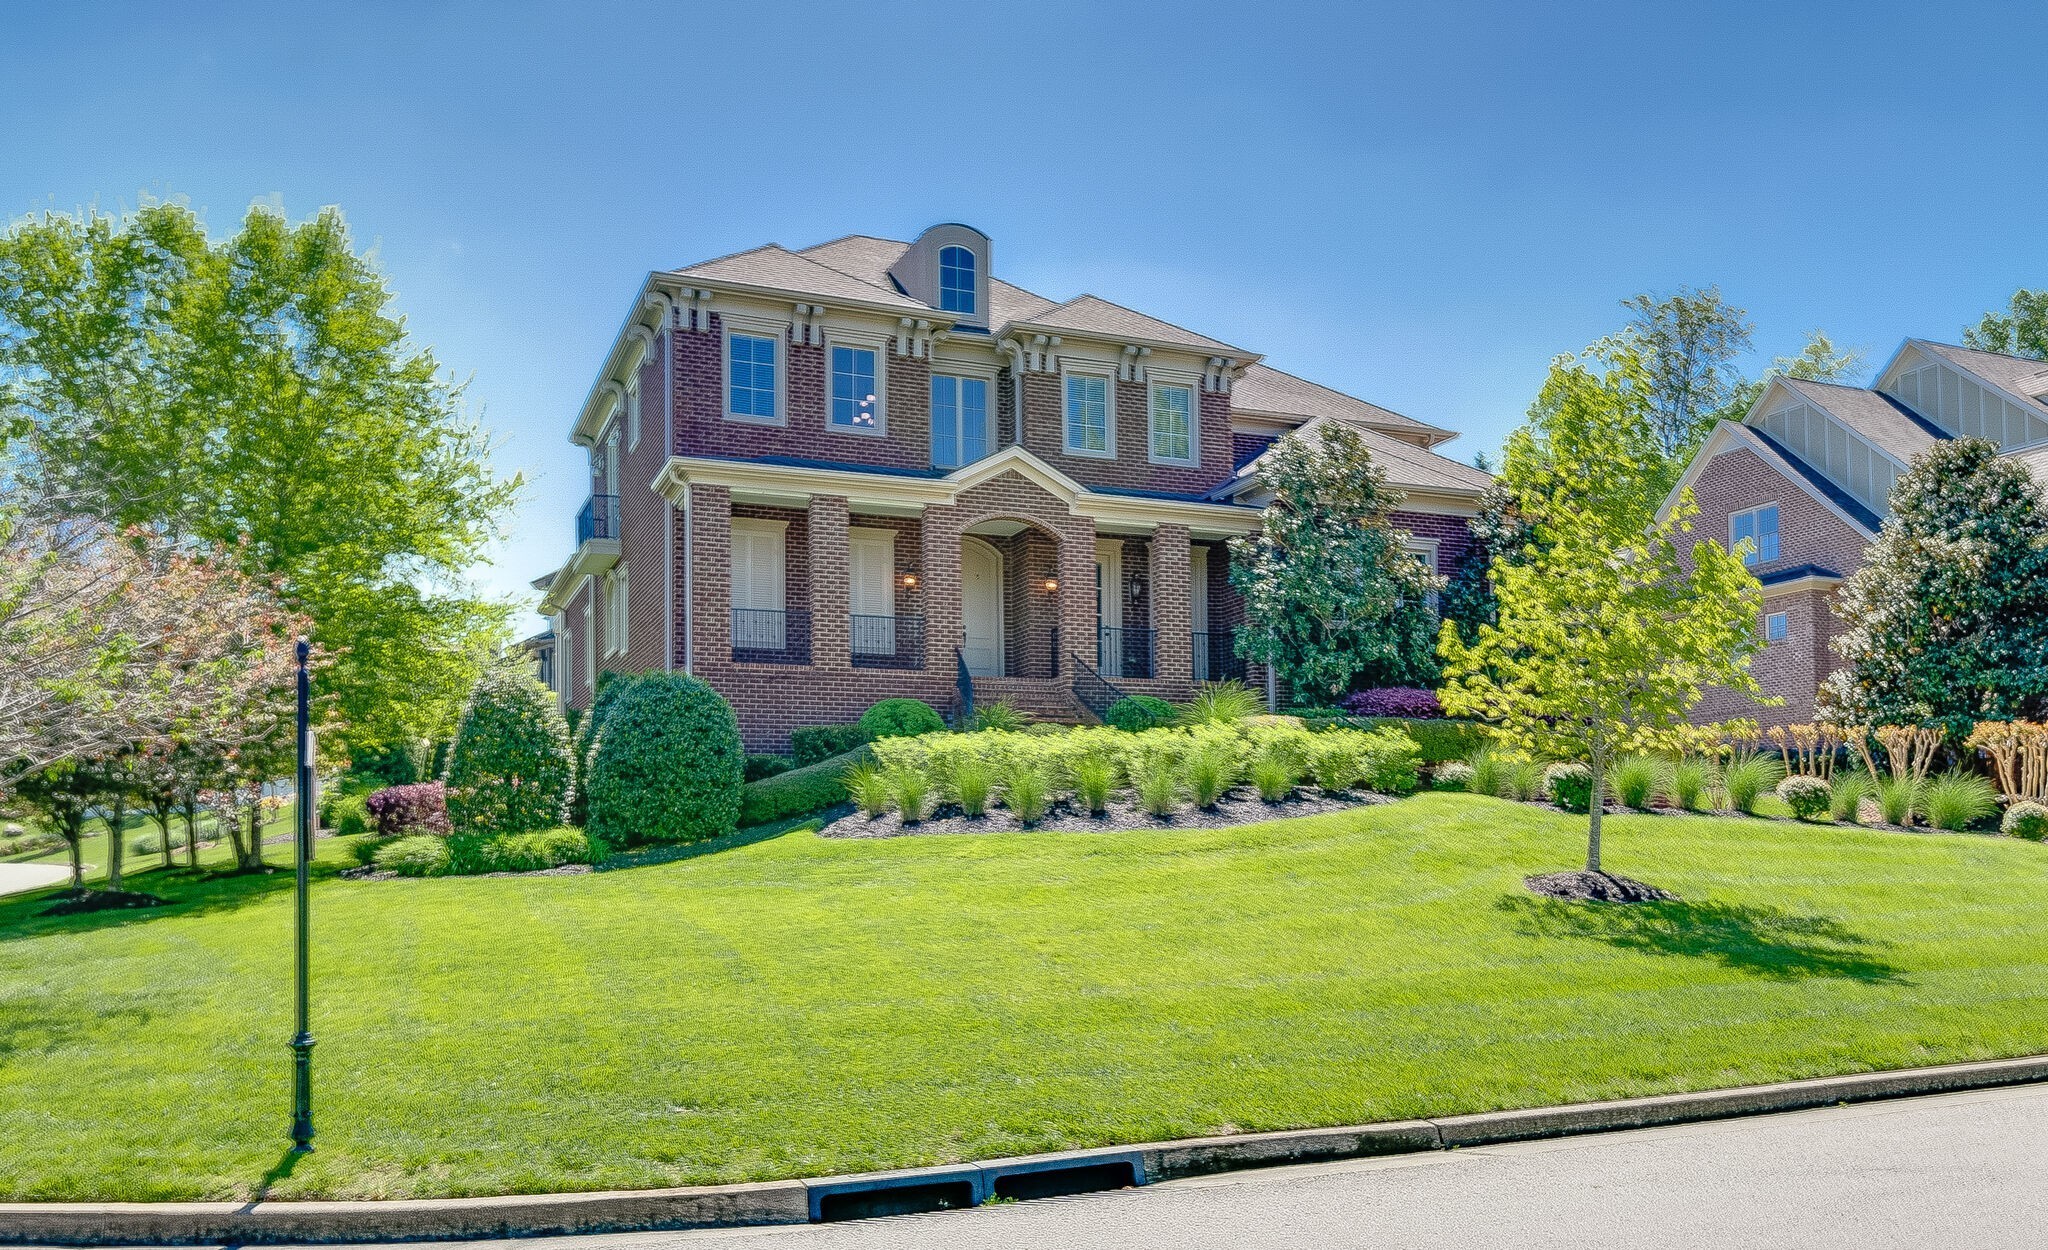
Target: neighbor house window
(1760, 527)
(856, 401)
(1088, 415)
(959, 420)
(1173, 424)
(1776, 627)
(956, 279)
(751, 365)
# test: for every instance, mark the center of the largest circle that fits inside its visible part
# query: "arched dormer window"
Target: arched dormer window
(956, 280)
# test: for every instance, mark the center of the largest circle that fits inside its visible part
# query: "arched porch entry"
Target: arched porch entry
(1010, 599)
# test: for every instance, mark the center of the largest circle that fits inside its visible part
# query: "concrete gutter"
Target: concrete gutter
(807, 1201)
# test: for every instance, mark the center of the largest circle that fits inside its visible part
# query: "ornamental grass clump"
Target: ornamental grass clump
(1748, 778)
(911, 790)
(1897, 799)
(1029, 794)
(421, 855)
(1275, 776)
(1956, 800)
(868, 787)
(1808, 797)
(1210, 772)
(1523, 781)
(1489, 773)
(1220, 703)
(1157, 786)
(1846, 794)
(971, 780)
(2025, 820)
(1094, 777)
(1691, 781)
(1638, 781)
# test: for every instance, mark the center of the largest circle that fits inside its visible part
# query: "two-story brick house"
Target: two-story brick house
(1806, 476)
(870, 468)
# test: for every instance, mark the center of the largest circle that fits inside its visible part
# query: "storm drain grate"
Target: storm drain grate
(1085, 1178)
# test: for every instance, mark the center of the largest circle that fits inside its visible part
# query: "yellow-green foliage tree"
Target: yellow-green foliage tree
(1608, 632)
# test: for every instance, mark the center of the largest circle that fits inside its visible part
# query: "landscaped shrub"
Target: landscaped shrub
(1957, 800)
(1337, 761)
(821, 742)
(1455, 775)
(420, 855)
(2025, 820)
(400, 811)
(1691, 779)
(1440, 741)
(971, 780)
(1808, 797)
(667, 764)
(365, 849)
(1570, 786)
(1897, 798)
(869, 786)
(1094, 776)
(1748, 778)
(761, 767)
(610, 687)
(800, 791)
(152, 844)
(1489, 772)
(1846, 794)
(1028, 794)
(1393, 763)
(1219, 703)
(511, 768)
(1157, 787)
(536, 851)
(1404, 702)
(1638, 781)
(346, 814)
(911, 791)
(900, 718)
(997, 715)
(1523, 781)
(1138, 712)
(1210, 771)
(1275, 775)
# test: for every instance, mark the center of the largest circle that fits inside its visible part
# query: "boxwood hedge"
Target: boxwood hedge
(667, 764)
(801, 791)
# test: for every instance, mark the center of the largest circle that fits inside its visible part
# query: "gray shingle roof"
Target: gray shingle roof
(2025, 378)
(1267, 390)
(1884, 421)
(1091, 314)
(778, 267)
(1406, 465)
(869, 259)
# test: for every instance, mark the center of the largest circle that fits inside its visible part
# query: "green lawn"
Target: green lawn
(794, 1005)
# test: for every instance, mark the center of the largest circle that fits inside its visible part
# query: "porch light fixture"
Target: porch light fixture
(910, 579)
(1052, 585)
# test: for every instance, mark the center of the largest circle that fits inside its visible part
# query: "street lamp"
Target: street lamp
(302, 1041)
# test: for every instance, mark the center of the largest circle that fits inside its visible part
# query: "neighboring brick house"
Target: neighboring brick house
(1807, 476)
(872, 468)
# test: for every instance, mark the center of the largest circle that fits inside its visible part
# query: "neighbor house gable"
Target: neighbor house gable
(1776, 473)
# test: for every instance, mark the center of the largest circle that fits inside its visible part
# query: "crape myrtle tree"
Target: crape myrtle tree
(1608, 631)
(257, 395)
(1946, 622)
(1334, 594)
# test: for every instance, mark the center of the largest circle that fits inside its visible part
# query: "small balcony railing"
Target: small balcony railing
(763, 636)
(1216, 658)
(1123, 652)
(599, 518)
(888, 641)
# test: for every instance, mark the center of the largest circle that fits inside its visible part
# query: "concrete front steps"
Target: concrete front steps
(1049, 700)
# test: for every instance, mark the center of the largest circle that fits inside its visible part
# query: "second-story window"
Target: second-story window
(959, 420)
(856, 403)
(1088, 416)
(1173, 424)
(752, 377)
(956, 280)
(1760, 527)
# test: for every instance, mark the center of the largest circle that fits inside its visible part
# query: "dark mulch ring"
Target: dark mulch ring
(370, 872)
(1239, 807)
(1595, 887)
(78, 902)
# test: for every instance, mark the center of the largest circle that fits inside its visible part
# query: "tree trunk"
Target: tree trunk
(76, 839)
(232, 824)
(191, 836)
(1596, 805)
(162, 816)
(256, 833)
(115, 849)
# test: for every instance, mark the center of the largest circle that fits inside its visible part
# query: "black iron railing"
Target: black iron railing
(1092, 690)
(1124, 652)
(598, 518)
(1216, 658)
(763, 636)
(888, 641)
(963, 683)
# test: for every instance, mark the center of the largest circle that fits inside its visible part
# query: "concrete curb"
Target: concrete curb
(806, 1201)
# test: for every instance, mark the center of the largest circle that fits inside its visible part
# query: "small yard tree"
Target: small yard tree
(1605, 637)
(1947, 619)
(511, 769)
(1335, 593)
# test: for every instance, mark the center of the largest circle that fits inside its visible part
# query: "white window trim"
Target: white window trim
(1152, 387)
(633, 415)
(743, 329)
(879, 345)
(1776, 616)
(1089, 369)
(1769, 503)
(945, 368)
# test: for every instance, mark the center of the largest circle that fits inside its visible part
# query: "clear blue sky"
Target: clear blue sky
(1418, 203)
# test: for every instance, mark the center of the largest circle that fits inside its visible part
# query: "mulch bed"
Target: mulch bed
(1239, 807)
(370, 872)
(1595, 887)
(79, 902)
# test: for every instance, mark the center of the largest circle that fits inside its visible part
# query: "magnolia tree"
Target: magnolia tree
(1335, 594)
(1608, 631)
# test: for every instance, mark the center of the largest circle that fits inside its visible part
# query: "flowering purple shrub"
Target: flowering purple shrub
(420, 808)
(1403, 701)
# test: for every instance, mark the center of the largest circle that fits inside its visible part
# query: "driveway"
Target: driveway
(14, 878)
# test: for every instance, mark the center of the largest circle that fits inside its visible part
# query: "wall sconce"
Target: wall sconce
(1136, 588)
(910, 579)
(1052, 585)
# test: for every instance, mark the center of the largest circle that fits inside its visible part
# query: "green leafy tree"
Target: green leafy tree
(1947, 619)
(258, 395)
(1689, 342)
(1498, 533)
(511, 769)
(1608, 632)
(1336, 595)
(2021, 330)
(1818, 361)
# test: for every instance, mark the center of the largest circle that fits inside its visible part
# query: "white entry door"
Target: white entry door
(981, 588)
(758, 620)
(872, 594)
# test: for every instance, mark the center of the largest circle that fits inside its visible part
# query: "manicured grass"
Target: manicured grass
(791, 1005)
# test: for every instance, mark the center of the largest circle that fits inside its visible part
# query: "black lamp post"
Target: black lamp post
(302, 1041)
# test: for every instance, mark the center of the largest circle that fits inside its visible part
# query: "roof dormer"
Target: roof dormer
(948, 268)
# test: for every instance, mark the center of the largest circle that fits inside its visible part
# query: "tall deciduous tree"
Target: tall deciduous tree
(258, 395)
(2021, 330)
(1818, 361)
(1947, 619)
(1690, 340)
(1334, 595)
(1607, 633)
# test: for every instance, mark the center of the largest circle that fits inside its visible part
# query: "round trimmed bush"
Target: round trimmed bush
(609, 687)
(422, 855)
(667, 766)
(1570, 786)
(2025, 820)
(510, 770)
(1138, 712)
(1454, 775)
(901, 718)
(1808, 797)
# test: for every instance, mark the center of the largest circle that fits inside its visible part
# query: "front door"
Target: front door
(872, 592)
(981, 588)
